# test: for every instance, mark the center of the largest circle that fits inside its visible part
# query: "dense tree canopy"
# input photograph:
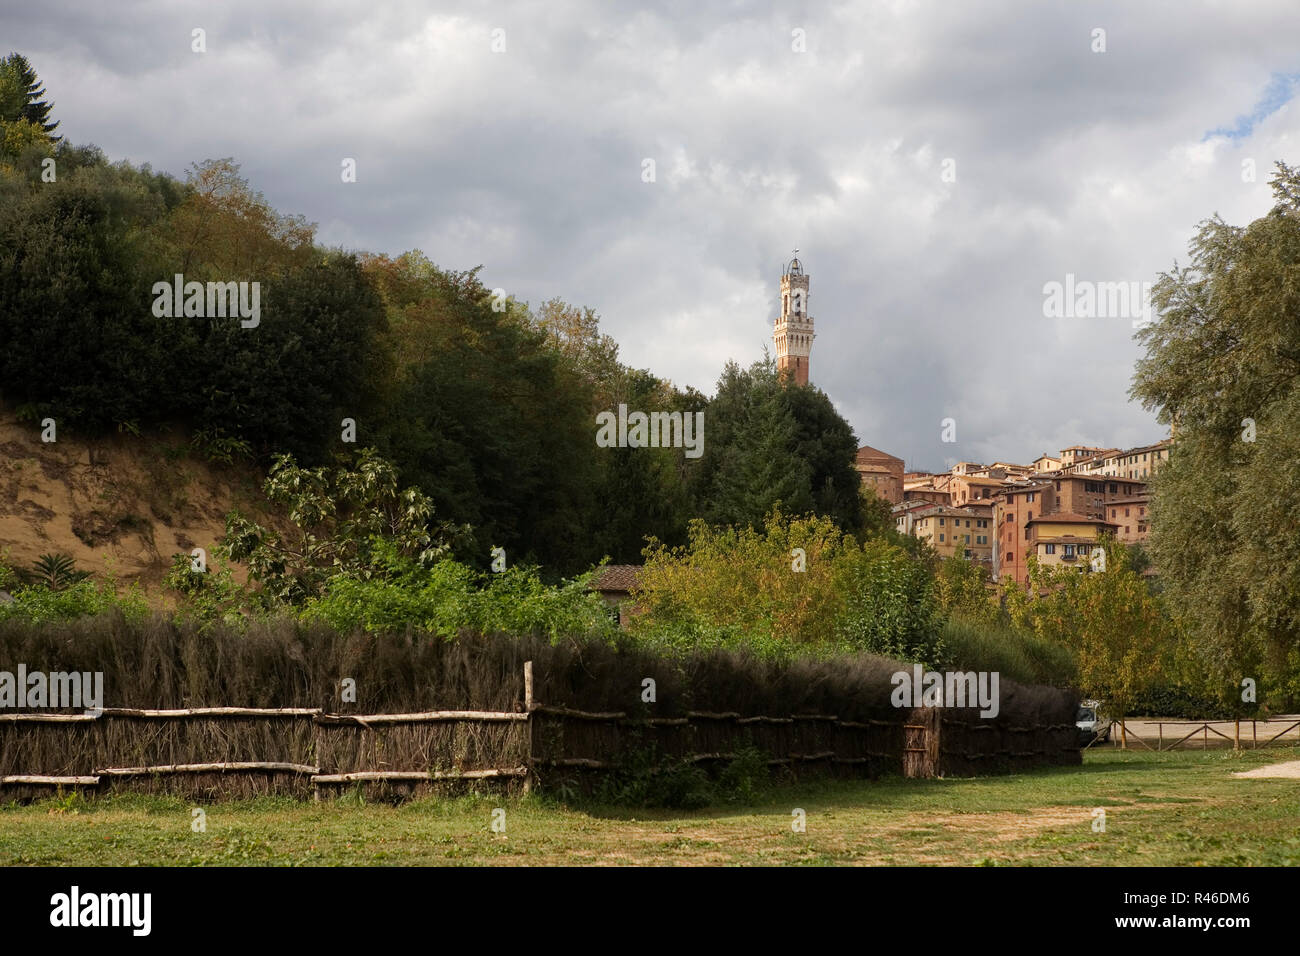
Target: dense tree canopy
(1223, 364)
(770, 441)
(485, 405)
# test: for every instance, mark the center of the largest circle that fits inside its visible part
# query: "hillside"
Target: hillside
(122, 503)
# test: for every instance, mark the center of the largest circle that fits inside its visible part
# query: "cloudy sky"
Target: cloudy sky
(935, 163)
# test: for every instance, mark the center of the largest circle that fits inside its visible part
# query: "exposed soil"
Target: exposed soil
(122, 503)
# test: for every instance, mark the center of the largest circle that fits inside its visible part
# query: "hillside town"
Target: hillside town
(997, 515)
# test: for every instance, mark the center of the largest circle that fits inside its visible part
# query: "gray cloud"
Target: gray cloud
(927, 294)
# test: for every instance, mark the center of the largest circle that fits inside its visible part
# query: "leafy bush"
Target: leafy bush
(209, 596)
(890, 606)
(87, 597)
(1121, 636)
(346, 520)
(53, 571)
(8, 576)
(1013, 653)
(450, 596)
(730, 587)
(745, 581)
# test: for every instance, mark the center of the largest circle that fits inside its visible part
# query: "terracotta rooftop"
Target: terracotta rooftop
(617, 577)
(867, 453)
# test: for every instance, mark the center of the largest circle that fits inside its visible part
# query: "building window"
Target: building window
(968, 539)
(941, 522)
(1011, 556)
(1029, 497)
(940, 537)
(1049, 549)
(1126, 514)
(1069, 550)
(1126, 529)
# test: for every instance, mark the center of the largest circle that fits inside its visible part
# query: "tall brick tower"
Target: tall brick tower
(793, 334)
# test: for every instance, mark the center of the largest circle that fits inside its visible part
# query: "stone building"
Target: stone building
(793, 334)
(882, 471)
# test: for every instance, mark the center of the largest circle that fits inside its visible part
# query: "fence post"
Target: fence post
(529, 706)
(1236, 735)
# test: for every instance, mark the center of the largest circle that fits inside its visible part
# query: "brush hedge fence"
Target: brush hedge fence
(283, 707)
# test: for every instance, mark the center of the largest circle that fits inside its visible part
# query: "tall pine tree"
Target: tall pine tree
(20, 95)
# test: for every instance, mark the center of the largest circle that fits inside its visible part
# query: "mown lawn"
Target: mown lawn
(1181, 808)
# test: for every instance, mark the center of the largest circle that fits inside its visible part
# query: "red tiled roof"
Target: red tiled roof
(867, 453)
(617, 577)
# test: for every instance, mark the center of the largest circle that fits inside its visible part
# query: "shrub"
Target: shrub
(53, 571)
(1019, 655)
(744, 581)
(87, 597)
(450, 596)
(890, 607)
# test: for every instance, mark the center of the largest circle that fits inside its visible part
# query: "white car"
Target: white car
(1092, 725)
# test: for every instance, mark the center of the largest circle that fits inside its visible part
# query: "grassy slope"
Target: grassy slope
(1180, 808)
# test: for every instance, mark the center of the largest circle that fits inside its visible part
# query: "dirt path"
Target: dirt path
(1288, 768)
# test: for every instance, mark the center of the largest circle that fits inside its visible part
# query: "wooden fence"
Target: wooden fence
(1204, 728)
(243, 751)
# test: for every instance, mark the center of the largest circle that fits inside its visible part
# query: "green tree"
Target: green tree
(877, 512)
(342, 520)
(750, 462)
(769, 441)
(20, 95)
(890, 604)
(962, 591)
(747, 583)
(314, 359)
(81, 342)
(1223, 363)
(825, 441)
(1120, 634)
(487, 419)
(642, 492)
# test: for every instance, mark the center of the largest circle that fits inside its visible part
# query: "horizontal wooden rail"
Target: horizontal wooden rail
(364, 720)
(211, 712)
(207, 768)
(417, 776)
(43, 780)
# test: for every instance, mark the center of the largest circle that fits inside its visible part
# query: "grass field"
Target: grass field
(1180, 808)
